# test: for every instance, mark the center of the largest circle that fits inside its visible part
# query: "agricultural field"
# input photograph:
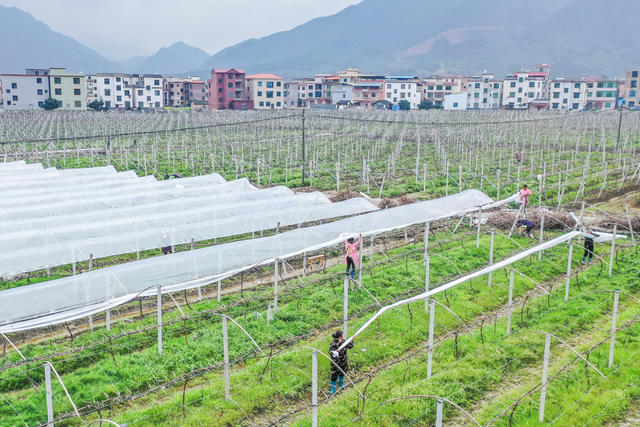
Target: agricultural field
(546, 339)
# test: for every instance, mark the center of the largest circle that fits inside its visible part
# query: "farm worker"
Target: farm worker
(339, 362)
(526, 226)
(588, 245)
(519, 156)
(524, 195)
(351, 255)
(166, 244)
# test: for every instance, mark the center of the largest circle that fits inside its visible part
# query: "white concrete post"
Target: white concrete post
(275, 286)
(427, 263)
(219, 289)
(304, 263)
(432, 315)
(159, 310)
(491, 246)
(614, 321)
(439, 412)
(613, 249)
(314, 388)
(510, 303)
(360, 265)
(633, 238)
(568, 281)
(545, 372)
(345, 306)
(49, 394)
(225, 347)
(478, 231)
(541, 236)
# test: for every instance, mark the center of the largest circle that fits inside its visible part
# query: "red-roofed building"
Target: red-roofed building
(226, 90)
(527, 89)
(266, 91)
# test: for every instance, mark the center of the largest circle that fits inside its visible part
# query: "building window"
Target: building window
(270, 85)
(259, 93)
(278, 104)
(634, 83)
(230, 95)
(513, 84)
(632, 93)
(278, 93)
(634, 74)
(575, 106)
(156, 92)
(156, 82)
(269, 94)
(14, 97)
(39, 80)
(278, 84)
(118, 98)
(230, 76)
(76, 92)
(148, 98)
(39, 91)
(76, 80)
(555, 105)
(126, 93)
(14, 85)
(77, 104)
(532, 84)
(118, 87)
(140, 92)
(261, 104)
(477, 85)
(58, 91)
(107, 92)
(576, 95)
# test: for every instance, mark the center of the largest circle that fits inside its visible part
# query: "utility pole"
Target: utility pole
(619, 127)
(304, 156)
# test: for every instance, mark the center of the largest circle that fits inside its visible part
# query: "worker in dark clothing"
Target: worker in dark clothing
(526, 226)
(588, 246)
(338, 360)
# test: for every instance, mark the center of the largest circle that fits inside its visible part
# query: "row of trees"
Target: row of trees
(424, 105)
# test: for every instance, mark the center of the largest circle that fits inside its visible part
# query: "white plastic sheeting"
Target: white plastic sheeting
(73, 297)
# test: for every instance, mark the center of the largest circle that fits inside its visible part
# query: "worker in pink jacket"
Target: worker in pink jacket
(525, 193)
(351, 257)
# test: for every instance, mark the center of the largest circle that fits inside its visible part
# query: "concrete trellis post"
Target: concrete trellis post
(633, 238)
(304, 264)
(545, 372)
(478, 231)
(510, 303)
(439, 412)
(614, 321)
(432, 315)
(159, 302)
(491, 246)
(219, 290)
(427, 263)
(225, 349)
(275, 286)
(568, 281)
(360, 266)
(49, 394)
(541, 236)
(613, 249)
(314, 388)
(345, 306)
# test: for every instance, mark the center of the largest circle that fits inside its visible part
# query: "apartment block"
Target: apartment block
(69, 89)
(484, 92)
(195, 90)
(266, 91)
(226, 90)
(398, 88)
(291, 95)
(25, 91)
(629, 89)
(601, 94)
(110, 88)
(435, 88)
(174, 92)
(310, 91)
(568, 95)
(527, 89)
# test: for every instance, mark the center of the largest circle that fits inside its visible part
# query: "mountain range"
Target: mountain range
(417, 37)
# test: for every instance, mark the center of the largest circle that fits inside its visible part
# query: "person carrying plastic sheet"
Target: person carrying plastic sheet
(351, 257)
(339, 361)
(166, 244)
(526, 226)
(588, 245)
(525, 193)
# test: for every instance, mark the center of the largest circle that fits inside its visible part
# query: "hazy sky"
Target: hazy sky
(123, 28)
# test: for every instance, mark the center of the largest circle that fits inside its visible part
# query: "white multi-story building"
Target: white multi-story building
(484, 92)
(629, 90)
(292, 95)
(568, 94)
(146, 90)
(25, 91)
(266, 91)
(527, 89)
(398, 89)
(111, 89)
(435, 88)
